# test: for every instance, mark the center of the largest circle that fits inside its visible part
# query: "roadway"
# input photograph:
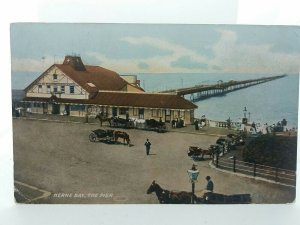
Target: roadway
(58, 158)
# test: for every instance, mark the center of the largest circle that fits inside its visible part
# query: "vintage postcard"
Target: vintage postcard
(154, 114)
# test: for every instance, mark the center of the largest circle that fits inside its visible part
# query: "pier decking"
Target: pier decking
(199, 92)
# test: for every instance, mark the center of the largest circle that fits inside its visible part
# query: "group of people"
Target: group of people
(200, 123)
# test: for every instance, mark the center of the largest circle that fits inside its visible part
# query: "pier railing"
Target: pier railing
(199, 92)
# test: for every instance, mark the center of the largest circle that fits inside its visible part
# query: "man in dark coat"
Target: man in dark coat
(147, 144)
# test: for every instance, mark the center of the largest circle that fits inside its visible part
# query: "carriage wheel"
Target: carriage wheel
(93, 137)
(109, 139)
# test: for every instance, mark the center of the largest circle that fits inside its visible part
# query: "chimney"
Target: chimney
(75, 62)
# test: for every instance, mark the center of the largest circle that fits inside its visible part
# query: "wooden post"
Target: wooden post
(193, 192)
(276, 174)
(234, 163)
(254, 169)
(86, 117)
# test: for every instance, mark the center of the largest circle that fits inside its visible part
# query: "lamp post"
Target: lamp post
(245, 112)
(244, 121)
(193, 174)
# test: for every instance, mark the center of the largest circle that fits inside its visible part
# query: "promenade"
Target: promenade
(59, 160)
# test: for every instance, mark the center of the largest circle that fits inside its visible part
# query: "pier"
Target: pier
(199, 92)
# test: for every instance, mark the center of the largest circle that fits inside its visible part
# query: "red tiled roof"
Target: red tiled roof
(145, 100)
(102, 78)
(99, 77)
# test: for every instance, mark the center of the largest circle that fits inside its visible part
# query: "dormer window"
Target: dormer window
(55, 76)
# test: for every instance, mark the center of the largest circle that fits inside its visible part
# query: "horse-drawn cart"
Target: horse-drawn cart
(202, 197)
(198, 153)
(109, 136)
(102, 135)
(133, 123)
(216, 198)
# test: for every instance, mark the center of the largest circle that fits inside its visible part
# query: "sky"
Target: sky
(141, 48)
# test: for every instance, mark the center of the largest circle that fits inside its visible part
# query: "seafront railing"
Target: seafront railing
(220, 124)
(287, 177)
(233, 125)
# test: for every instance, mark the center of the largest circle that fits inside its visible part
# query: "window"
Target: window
(135, 111)
(123, 111)
(62, 89)
(141, 113)
(54, 76)
(168, 112)
(55, 89)
(40, 88)
(175, 114)
(159, 114)
(182, 114)
(155, 112)
(77, 107)
(71, 89)
(48, 89)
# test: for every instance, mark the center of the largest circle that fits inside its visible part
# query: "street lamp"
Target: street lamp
(244, 121)
(193, 174)
(245, 111)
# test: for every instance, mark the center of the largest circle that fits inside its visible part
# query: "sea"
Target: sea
(269, 102)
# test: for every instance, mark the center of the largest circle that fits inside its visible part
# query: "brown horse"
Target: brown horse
(121, 134)
(208, 152)
(197, 152)
(170, 197)
(100, 116)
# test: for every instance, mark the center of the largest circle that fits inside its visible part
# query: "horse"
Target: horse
(194, 151)
(199, 152)
(170, 197)
(103, 118)
(208, 152)
(122, 134)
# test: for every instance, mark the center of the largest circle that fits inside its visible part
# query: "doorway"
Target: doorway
(55, 108)
(114, 111)
(168, 115)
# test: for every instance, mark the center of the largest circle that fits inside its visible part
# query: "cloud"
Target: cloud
(187, 62)
(33, 65)
(159, 63)
(251, 58)
(228, 55)
(143, 65)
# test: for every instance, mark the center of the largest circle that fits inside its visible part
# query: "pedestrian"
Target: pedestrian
(210, 184)
(127, 116)
(196, 125)
(147, 144)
